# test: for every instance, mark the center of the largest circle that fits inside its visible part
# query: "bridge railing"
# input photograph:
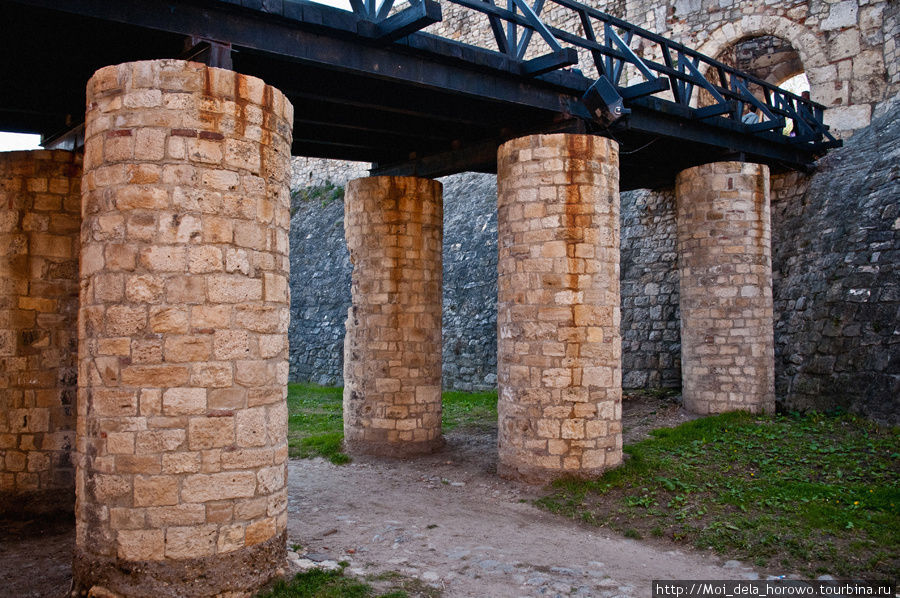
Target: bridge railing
(700, 87)
(686, 76)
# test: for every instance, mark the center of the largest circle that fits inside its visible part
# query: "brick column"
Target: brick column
(725, 266)
(392, 350)
(40, 216)
(558, 341)
(182, 417)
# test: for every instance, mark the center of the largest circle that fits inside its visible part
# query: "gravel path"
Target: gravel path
(445, 519)
(448, 520)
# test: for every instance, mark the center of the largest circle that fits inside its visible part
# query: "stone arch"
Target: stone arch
(808, 45)
(768, 57)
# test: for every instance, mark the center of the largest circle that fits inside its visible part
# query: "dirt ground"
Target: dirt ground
(445, 519)
(36, 557)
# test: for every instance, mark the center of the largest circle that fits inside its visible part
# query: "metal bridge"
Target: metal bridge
(370, 85)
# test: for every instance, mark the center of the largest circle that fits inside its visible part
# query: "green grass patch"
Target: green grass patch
(812, 493)
(469, 410)
(318, 583)
(315, 424)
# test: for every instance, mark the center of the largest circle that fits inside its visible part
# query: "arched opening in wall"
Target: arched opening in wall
(766, 57)
(796, 84)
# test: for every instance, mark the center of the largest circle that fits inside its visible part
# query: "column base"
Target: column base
(233, 574)
(703, 407)
(398, 451)
(532, 474)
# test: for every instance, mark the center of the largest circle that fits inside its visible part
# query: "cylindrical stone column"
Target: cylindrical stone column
(182, 418)
(392, 348)
(559, 347)
(725, 268)
(40, 216)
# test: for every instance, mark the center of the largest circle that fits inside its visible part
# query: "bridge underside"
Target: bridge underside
(422, 106)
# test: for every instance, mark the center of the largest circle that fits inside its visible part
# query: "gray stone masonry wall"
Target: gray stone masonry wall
(837, 277)
(320, 287)
(320, 291)
(315, 172)
(651, 341)
(834, 234)
(470, 282)
(835, 242)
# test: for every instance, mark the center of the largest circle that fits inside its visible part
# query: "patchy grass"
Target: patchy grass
(318, 583)
(325, 193)
(315, 425)
(401, 586)
(475, 411)
(814, 494)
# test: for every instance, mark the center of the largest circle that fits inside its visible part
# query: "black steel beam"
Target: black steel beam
(314, 111)
(408, 20)
(481, 157)
(386, 141)
(422, 105)
(550, 62)
(339, 88)
(326, 48)
(659, 117)
(370, 123)
(313, 149)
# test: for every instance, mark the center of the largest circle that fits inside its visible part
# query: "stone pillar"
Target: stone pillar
(392, 349)
(725, 267)
(558, 340)
(40, 216)
(182, 418)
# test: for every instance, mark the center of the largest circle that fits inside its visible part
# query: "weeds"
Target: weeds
(811, 493)
(470, 410)
(318, 583)
(326, 193)
(315, 425)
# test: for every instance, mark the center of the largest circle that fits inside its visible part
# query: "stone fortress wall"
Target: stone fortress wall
(39, 245)
(835, 233)
(320, 295)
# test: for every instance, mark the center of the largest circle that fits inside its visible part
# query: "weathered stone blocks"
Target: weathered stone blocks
(392, 349)
(182, 331)
(40, 215)
(725, 267)
(559, 345)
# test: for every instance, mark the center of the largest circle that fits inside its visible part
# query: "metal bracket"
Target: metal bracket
(210, 52)
(550, 62)
(407, 21)
(604, 102)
